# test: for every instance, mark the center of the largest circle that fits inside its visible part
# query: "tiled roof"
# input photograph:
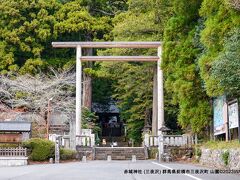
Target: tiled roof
(109, 108)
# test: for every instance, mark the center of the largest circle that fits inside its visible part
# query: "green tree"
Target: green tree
(132, 88)
(144, 20)
(219, 20)
(180, 53)
(75, 22)
(85, 20)
(226, 67)
(132, 82)
(89, 120)
(26, 29)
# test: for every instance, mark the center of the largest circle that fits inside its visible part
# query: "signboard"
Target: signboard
(218, 118)
(233, 115)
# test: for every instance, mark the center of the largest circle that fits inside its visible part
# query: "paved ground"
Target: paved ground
(114, 170)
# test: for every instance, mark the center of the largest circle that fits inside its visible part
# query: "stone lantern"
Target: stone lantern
(164, 130)
(147, 129)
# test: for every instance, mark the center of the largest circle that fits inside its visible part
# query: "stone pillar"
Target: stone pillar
(160, 103)
(160, 96)
(78, 89)
(57, 151)
(72, 133)
(155, 105)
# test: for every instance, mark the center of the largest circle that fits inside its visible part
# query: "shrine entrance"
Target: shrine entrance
(158, 98)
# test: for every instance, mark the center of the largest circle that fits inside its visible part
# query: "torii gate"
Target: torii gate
(158, 108)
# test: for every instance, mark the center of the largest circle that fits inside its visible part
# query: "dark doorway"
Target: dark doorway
(110, 124)
(109, 120)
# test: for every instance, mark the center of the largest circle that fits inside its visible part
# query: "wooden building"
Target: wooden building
(14, 131)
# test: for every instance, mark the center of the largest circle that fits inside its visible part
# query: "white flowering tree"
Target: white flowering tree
(34, 93)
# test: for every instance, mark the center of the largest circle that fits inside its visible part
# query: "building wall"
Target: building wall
(14, 137)
(10, 138)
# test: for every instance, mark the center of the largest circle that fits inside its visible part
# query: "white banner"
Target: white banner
(233, 115)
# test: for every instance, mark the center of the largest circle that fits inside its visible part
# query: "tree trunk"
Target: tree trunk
(87, 83)
(154, 107)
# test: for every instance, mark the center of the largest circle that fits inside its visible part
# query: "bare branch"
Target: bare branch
(33, 93)
(235, 4)
(104, 12)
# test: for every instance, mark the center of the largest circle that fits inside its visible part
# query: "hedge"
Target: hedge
(66, 154)
(40, 149)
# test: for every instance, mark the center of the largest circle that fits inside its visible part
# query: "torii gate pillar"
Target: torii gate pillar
(78, 90)
(158, 110)
(160, 95)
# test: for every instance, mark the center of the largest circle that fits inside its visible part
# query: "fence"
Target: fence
(88, 141)
(169, 140)
(13, 152)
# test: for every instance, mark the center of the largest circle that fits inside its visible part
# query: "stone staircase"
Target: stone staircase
(120, 153)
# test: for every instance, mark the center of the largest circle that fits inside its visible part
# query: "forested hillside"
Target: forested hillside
(201, 52)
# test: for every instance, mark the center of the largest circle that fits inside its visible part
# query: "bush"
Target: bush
(225, 157)
(152, 153)
(66, 154)
(198, 152)
(40, 149)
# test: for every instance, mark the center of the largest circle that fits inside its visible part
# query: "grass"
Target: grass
(221, 144)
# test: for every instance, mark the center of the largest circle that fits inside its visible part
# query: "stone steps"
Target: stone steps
(120, 153)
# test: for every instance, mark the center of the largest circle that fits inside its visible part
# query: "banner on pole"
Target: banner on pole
(233, 115)
(218, 115)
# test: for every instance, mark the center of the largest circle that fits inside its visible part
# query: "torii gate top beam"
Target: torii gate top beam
(120, 58)
(106, 44)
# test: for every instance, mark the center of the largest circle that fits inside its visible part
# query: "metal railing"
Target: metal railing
(12, 152)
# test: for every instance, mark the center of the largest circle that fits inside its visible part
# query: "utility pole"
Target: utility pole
(48, 116)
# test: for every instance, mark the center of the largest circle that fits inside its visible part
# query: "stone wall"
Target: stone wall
(215, 158)
(120, 153)
(85, 151)
(13, 161)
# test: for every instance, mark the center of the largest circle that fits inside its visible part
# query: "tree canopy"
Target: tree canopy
(181, 69)
(200, 52)
(27, 29)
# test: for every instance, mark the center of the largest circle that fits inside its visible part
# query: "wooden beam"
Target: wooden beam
(119, 58)
(106, 44)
